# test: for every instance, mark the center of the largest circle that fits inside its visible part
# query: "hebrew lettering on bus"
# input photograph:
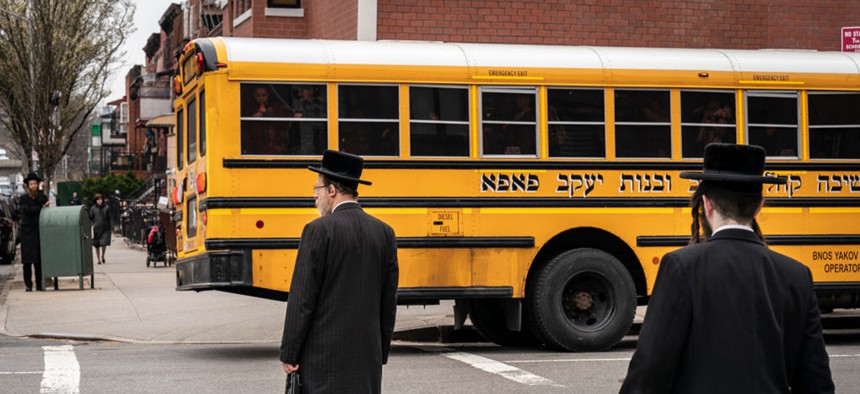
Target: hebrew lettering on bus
(792, 184)
(835, 183)
(656, 183)
(571, 183)
(502, 183)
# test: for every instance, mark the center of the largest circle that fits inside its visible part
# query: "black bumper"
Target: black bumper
(214, 270)
(228, 271)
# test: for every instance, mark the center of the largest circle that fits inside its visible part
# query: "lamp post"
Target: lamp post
(32, 62)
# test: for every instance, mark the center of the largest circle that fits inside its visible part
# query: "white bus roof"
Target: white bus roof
(415, 53)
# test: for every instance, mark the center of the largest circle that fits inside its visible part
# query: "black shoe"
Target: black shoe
(40, 289)
(29, 288)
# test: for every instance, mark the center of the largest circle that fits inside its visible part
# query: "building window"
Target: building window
(772, 122)
(643, 128)
(439, 121)
(368, 119)
(509, 121)
(706, 117)
(576, 123)
(834, 125)
(284, 3)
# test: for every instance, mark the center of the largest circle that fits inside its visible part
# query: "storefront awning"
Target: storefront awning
(161, 121)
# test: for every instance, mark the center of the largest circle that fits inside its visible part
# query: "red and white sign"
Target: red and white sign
(851, 39)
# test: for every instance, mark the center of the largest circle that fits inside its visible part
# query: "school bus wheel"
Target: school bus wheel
(583, 300)
(488, 317)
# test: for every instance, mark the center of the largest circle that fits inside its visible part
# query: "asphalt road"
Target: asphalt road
(34, 365)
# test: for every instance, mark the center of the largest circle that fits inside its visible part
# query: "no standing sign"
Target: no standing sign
(851, 39)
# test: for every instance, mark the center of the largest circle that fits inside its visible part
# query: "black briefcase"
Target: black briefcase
(294, 383)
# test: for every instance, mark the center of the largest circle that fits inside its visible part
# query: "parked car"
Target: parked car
(8, 231)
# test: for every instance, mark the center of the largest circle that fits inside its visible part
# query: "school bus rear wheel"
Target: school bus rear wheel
(583, 300)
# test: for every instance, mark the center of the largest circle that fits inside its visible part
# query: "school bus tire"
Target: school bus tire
(488, 317)
(582, 300)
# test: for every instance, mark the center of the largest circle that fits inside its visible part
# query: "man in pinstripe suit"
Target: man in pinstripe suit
(342, 302)
(727, 314)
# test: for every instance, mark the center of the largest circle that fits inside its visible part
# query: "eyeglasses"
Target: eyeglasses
(318, 187)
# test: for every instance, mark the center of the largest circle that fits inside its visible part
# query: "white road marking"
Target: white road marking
(62, 371)
(568, 360)
(506, 371)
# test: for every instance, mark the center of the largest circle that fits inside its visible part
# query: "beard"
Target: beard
(323, 206)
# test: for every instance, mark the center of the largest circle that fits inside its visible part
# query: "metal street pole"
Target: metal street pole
(32, 62)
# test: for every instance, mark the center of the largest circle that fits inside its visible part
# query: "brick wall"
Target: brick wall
(742, 24)
(277, 26)
(332, 19)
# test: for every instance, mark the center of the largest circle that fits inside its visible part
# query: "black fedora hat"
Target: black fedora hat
(734, 164)
(341, 167)
(32, 177)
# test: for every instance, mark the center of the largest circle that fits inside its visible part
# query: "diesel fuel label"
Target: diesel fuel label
(838, 261)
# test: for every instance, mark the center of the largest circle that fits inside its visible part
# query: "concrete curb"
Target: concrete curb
(4, 292)
(431, 334)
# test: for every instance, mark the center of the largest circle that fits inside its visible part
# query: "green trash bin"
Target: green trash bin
(66, 243)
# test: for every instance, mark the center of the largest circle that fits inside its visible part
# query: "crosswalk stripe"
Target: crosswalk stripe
(62, 371)
(506, 371)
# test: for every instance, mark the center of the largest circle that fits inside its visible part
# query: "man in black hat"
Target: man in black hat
(30, 205)
(342, 302)
(728, 315)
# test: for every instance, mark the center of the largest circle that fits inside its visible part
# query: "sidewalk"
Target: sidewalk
(133, 303)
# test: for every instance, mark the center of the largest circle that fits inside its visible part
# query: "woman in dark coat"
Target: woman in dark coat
(30, 205)
(100, 218)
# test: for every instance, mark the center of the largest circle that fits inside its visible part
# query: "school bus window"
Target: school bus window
(772, 122)
(508, 121)
(283, 119)
(192, 217)
(202, 139)
(368, 120)
(577, 126)
(180, 136)
(834, 125)
(439, 121)
(192, 130)
(642, 124)
(189, 69)
(706, 117)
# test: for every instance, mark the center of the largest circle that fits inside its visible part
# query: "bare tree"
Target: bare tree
(55, 56)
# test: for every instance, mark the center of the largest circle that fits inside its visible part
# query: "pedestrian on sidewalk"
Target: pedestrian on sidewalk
(30, 204)
(100, 219)
(727, 314)
(342, 301)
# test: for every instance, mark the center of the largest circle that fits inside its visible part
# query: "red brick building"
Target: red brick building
(730, 24)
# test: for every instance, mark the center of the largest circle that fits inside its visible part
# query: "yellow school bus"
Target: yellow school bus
(537, 186)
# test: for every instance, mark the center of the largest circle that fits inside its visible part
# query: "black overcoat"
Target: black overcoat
(30, 208)
(730, 316)
(342, 303)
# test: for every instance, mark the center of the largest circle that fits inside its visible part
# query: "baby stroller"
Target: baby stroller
(156, 248)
